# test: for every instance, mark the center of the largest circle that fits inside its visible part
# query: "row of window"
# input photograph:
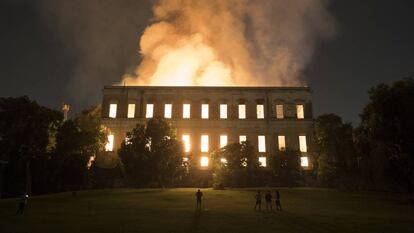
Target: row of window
(204, 161)
(204, 146)
(168, 108)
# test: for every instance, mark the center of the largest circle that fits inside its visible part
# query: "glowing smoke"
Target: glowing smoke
(230, 42)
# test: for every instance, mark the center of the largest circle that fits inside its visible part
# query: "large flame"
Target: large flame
(229, 42)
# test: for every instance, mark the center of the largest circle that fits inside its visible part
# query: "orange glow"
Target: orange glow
(168, 110)
(186, 111)
(112, 110)
(299, 111)
(302, 144)
(204, 111)
(187, 145)
(204, 143)
(281, 142)
(204, 161)
(110, 143)
(223, 141)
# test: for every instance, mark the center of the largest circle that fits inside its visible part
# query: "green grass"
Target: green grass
(146, 210)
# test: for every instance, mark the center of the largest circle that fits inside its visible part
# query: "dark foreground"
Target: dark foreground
(135, 210)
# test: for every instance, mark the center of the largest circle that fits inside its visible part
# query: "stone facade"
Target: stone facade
(125, 106)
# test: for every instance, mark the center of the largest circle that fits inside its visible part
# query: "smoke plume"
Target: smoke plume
(231, 42)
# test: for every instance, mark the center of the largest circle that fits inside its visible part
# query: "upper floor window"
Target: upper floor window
(204, 111)
(281, 142)
(223, 111)
(299, 111)
(186, 111)
(260, 111)
(110, 143)
(261, 143)
(112, 110)
(167, 110)
(302, 144)
(131, 110)
(279, 111)
(149, 111)
(223, 141)
(242, 111)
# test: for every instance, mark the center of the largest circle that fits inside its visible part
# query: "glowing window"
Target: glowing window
(223, 111)
(110, 143)
(149, 111)
(304, 162)
(204, 161)
(242, 111)
(302, 144)
(186, 140)
(168, 111)
(262, 143)
(281, 142)
(260, 111)
(131, 110)
(242, 138)
(223, 141)
(299, 111)
(204, 143)
(186, 111)
(279, 111)
(112, 110)
(262, 162)
(204, 111)
(223, 161)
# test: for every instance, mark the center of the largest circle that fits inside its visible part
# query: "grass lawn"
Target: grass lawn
(146, 210)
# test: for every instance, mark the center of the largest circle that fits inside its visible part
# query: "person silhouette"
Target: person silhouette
(277, 202)
(198, 195)
(22, 204)
(258, 200)
(268, 198)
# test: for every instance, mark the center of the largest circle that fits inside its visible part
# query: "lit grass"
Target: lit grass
(145, 210)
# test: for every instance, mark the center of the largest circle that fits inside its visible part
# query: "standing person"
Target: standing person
(258, 200)
(268, 198)
(22, 204)
(199, 195)
(277, 202)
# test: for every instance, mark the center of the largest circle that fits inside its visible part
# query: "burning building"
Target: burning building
(207, 118)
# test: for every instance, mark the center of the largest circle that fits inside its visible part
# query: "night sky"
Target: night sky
(65, 51)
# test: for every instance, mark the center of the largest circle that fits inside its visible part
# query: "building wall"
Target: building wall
(290, 126)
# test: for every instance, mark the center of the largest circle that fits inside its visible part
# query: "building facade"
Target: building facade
(208, 118)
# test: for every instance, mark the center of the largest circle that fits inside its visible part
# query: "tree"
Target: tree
(25, 129)
(240, 169)
(151, 154)
(385, 137)
(336, 158)
(285, 167)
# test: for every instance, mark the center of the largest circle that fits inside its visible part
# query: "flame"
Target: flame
(232, 42)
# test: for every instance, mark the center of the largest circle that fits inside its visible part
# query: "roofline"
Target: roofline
(210, 87)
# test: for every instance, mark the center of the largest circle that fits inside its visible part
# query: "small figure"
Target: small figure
(268, 198)
(277, 202)
(199, 195)
(22, 204)
(258, 201)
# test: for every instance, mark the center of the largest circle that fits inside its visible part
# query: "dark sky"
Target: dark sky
(59, 51)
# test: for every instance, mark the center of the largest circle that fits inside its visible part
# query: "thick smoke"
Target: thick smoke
(232, 42)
